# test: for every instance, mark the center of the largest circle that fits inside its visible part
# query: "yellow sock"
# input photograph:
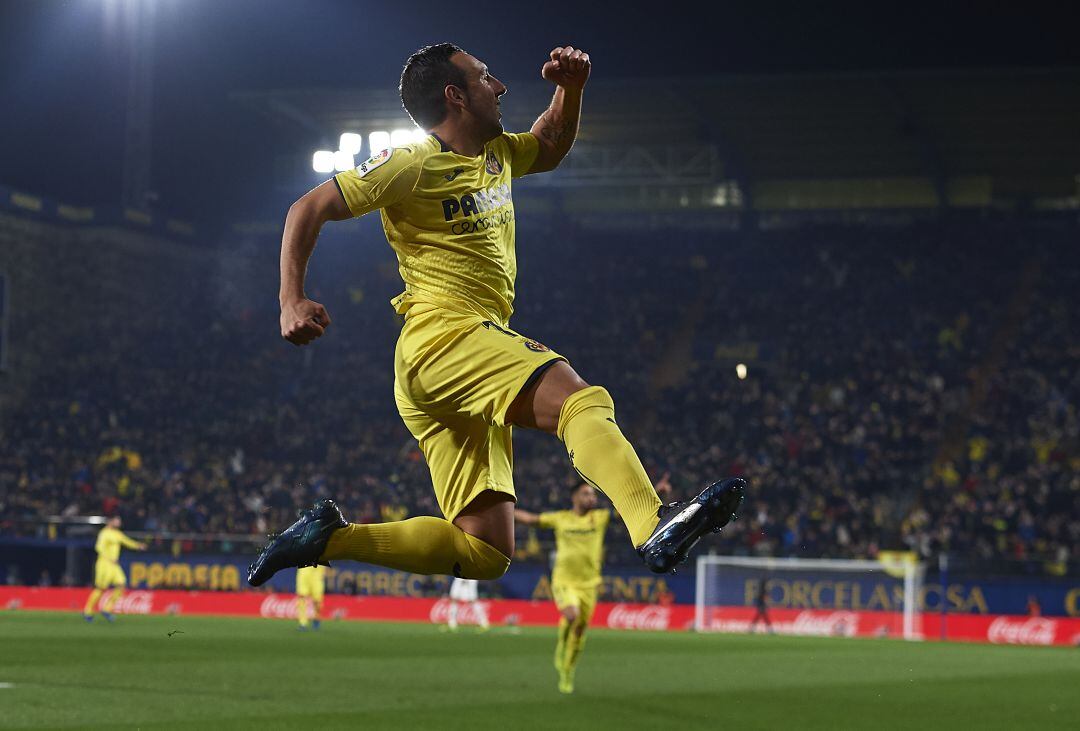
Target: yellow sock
(560, 644)
(575, 643)
(602, 456)
(422, 545)
(111, 601)
(302, 611)
(91, 602)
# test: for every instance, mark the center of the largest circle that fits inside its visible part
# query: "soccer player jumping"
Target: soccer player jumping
(463, 378)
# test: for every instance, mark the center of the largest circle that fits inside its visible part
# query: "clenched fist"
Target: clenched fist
(569, 67)
(302, 321)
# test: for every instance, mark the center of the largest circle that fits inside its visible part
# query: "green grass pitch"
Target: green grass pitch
(58, 672)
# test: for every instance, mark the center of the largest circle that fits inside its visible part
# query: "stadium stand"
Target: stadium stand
(908, 387)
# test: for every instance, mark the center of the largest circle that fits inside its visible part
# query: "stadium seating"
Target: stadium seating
(908, 387)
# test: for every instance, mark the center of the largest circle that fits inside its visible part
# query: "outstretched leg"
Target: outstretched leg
(583, 417)
(477, 545)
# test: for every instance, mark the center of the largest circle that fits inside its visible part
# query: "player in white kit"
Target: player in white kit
(465, 590)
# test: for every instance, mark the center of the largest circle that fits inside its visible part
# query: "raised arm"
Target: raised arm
(557, 128)
(525, 517)
(303, 320)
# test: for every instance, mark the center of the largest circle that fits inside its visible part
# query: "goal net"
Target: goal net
(800, 596)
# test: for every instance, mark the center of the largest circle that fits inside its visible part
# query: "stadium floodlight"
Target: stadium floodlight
(351, 143)
(401, 137)
(740, 371)
(323, 161)
(419, 135)
(343, 160)
(378, 141)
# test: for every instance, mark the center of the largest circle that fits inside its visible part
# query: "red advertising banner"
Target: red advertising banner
(999, 629)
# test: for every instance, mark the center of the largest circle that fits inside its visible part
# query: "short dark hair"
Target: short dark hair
(578, 486)
(425, 76)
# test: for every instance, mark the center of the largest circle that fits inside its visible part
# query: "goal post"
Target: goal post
(810, 596)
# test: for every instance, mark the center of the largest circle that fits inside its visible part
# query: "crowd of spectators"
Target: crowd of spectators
(905, 387)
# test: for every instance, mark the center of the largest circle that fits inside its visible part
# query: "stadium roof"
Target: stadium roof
(1018, 127)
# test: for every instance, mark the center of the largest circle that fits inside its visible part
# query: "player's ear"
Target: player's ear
(455, 95)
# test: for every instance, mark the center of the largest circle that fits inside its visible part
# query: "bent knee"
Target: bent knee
(591, 404)
(489, 570)
(485, 561)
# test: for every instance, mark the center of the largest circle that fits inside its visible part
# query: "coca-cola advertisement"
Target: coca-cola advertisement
(931, 626)
(135, 602)
(1033, 631)
(623, 616)
(279, 607)
(467, 612)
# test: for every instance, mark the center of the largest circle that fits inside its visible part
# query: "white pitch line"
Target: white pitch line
(7, 685)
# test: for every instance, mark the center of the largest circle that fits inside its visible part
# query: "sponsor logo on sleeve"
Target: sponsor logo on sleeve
(373, 162)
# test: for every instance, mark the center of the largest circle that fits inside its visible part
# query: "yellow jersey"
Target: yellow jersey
(449, 219)
(108, 544)
(579, 545)
(311, 580)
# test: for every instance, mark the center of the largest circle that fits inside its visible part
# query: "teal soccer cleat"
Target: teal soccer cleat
(683, 524)
(300, 544)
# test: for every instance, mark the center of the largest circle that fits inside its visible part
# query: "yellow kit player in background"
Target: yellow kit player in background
(575, 579)
(107, 571)
(310, 587)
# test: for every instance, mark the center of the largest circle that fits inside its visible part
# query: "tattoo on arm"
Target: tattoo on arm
(555, 131)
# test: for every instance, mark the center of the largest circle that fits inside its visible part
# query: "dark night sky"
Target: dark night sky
(62, 74)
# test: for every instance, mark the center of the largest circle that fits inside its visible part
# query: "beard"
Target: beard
(493, 127)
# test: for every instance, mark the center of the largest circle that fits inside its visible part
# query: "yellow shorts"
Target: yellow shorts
(581, 597)
(108, 574)
(311, 582)
(455, 377)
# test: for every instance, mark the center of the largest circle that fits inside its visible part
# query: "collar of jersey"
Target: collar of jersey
(443, 147)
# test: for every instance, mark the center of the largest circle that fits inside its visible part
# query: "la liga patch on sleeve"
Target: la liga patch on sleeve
(374, 161)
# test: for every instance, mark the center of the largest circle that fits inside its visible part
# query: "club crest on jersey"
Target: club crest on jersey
(537, 347)
(373, 162)
(492, 164)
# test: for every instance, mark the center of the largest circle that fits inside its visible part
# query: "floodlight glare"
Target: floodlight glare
(343, 160)
(351, 143)
(740, 371)
(400, 137)
(378, 141)
(419, 135)
(323, 161)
